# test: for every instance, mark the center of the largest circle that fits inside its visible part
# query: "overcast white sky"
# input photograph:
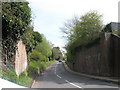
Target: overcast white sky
(50, 15)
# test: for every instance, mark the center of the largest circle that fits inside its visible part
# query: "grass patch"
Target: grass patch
(25, 79)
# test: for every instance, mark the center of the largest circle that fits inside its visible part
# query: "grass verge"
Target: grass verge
(26, 78)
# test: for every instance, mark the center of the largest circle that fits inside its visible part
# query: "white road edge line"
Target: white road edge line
(73, 84)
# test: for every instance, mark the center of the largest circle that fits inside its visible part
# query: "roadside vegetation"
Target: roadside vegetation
(16, 25)
(56, 53)
(116, 32)
(26, 78)
(81, 32)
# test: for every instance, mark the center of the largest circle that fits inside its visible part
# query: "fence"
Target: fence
(101, 58)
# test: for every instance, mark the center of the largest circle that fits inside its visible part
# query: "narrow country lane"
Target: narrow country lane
(56, 76)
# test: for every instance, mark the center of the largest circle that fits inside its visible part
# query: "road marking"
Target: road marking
(73, 84)
(55, 68)
(59, 76)
(55, 71)
(66, 80)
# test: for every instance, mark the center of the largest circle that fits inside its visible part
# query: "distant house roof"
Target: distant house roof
(112, 26)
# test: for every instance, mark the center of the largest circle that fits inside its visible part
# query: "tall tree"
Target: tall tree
(44, 47)
(56, 53)
(82, 31)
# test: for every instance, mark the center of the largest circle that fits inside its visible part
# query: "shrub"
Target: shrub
(23, 79)
(37, 56)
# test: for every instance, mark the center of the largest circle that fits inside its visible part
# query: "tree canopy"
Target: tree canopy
(44, 47)
(56, 53)
(82, 31)
(16, 25)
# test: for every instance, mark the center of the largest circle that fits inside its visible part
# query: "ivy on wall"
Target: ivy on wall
(16, 18)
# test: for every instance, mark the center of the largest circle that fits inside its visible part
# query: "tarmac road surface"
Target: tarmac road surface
(56, 76)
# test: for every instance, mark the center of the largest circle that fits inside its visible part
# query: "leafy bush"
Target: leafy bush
(23, 79)
(37, 56)
(35, 66)
(44, 47)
